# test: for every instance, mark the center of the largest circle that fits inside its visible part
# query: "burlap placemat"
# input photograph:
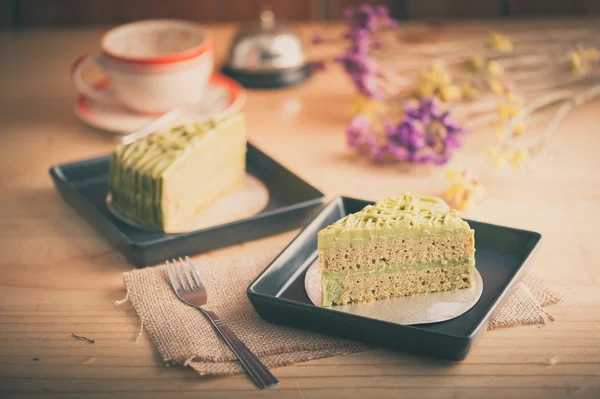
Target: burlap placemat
(183, 336)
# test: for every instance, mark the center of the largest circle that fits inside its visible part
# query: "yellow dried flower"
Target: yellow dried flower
(436, 80)
(591, 53)
(425, 89)
(444, 78)
(464, 189)
(508, 111)
(496, 86)
(499, 130)
(513, 98)
(503, 111)
(575, 62)
(450, 93)
(500, 42)
(425, 74)
(584, 59)
(469, 91)
(497, 158)
(476, 63)
(519, 129)
(513, 110)
(517, 157)
(438, 66)
(494, 68)
(365, 106)
(500, 159)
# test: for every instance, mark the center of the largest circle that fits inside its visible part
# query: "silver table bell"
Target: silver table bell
(267, 54)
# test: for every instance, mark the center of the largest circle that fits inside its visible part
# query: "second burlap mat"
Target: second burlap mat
(183, 336)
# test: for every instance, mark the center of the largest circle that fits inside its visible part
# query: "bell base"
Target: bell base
(269, 80)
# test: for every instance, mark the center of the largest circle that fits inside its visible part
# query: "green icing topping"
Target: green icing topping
(394, 216)
(137, 170)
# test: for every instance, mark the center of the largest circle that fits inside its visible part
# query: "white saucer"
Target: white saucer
(223, 97)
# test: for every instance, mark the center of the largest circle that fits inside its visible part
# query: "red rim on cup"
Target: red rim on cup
(205, 45)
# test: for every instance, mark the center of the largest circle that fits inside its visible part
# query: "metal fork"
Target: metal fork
(189, 288)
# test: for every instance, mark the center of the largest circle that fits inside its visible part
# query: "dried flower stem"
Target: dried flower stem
(91, 341)
(567, 100)
(544, 38)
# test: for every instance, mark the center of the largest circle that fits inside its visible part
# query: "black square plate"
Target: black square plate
(292, 202)
(278, 294)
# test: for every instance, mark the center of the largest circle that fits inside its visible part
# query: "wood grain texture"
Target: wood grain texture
(248, 10)
(59, 276)
(76, 12)
(453, 9)
(553, 7)
(397, 8)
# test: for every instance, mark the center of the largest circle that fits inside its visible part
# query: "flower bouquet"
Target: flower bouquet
(415, 102)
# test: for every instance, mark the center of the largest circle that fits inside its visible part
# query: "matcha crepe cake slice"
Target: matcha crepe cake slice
(400, 246)
(163, 179)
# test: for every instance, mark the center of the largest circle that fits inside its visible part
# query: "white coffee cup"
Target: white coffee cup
(154, 66)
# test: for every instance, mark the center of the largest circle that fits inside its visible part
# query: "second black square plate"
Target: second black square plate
(292, 202)
(278, 294)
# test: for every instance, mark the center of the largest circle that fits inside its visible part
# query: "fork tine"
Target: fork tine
(177, 267)
(172, 277)
(187, 274)
(195, 273)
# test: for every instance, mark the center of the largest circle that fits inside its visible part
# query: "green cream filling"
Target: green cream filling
(333, 282)
(405, 215)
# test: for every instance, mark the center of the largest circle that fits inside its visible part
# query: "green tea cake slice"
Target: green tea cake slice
(399, 246)
(163, 179)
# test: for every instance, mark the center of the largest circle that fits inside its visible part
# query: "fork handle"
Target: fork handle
(259, 373)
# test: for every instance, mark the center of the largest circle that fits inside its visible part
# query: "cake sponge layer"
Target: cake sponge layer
(202, 194)
(389, 252)
(373, 286)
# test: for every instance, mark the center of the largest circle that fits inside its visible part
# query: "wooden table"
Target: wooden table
(59, 276)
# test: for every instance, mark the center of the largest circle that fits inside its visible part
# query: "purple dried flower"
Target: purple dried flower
(357, 63)
(363, 22)
(424, 155)
(348, 13)
(317, 39)
(371, 18)
(316, 66)
(425, 134)
(423, 112)
(397, 152)
(441, 159)
(377, 44)
(377, 153)
(361, 41)
(360, 137)
(356, 130)
(452, 141)
(365, 18)
(392, 23)
(367, 86)
(453, 127)
(381, 11)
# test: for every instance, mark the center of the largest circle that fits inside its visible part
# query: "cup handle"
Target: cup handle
(78, 66)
